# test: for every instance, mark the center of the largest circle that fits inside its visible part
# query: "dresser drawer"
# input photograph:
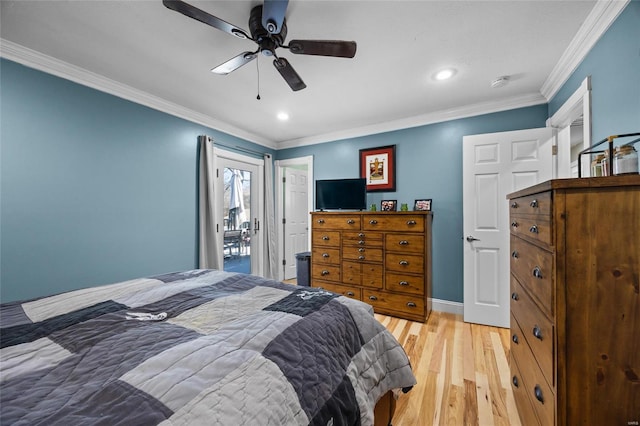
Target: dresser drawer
(364, 274)
(364, 254)
(336, 221)
(409, 263)
(413, 284)
(352, 292)
(406, 243)
(325, 272)
(535, 387)
(325, 255)
(532, 228)
(411, 305)
(400, 223)
(321, 237)
(525, 409)
(536, 204)
(535, 329)
(533, 267)
(372, 239)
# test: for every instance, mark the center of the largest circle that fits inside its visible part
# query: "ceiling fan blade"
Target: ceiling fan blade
(273, 13)
(204, 17)
(235, 63)
(289, 74)
(337, 48)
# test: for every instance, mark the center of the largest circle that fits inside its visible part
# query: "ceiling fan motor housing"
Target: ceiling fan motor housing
(268, 42)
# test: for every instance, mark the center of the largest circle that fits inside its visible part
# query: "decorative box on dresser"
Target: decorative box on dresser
(575, 301)
(382, 258)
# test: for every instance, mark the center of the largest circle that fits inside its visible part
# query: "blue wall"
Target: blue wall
(94, 189)
(614, 66)
(429, 165)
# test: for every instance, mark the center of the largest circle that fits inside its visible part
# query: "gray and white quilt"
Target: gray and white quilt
(195, 347)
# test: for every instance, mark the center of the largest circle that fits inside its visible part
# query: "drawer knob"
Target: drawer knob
(514, 224)
(515, 296)
(361, 257)
(514, 254)
(320, 221)
(537, 272)
(325, 255)
(404, 283)
(537, 332)
(411, 222)
(325, 272)
(373, 222)
(351, 221)
(515, 382)
(373, 298)
(534, 229)
(325, 238)
(403, 242)
(361, 250)
(534, 203)
(538, 393)
(361, 235)
(403, 263)
(514, 339)
(411, 304)
(350, 294)
(361, 242)
(514, 205)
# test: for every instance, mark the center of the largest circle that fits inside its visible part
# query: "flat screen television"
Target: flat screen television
(341, 194)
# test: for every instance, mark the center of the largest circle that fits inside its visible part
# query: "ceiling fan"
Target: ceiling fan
(268, 29)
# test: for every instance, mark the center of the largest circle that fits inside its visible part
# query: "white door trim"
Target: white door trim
(280, 165)
(578, 104)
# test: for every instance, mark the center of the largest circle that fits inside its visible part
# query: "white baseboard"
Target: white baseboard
(447, 306)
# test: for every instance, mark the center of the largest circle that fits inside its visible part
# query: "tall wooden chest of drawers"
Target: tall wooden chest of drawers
(575, 301)
(381, 258)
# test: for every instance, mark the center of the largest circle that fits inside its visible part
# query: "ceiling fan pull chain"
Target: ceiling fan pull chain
(258, 68)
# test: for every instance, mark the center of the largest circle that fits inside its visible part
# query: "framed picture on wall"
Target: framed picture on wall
(422, 205)
(378, 167)
(389, 205)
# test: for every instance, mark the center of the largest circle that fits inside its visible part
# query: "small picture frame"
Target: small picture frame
(388, 205)
(422, 205)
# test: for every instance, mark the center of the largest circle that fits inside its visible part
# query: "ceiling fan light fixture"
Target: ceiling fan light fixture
(444, 74)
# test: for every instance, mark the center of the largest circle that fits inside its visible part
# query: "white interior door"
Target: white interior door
(296, 217)
(493, 166)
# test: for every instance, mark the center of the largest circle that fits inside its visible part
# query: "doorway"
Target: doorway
(239, 202)
(294, 202)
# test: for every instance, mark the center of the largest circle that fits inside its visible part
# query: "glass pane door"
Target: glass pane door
(238, 228)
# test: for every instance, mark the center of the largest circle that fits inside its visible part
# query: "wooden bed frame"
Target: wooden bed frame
(385, 407)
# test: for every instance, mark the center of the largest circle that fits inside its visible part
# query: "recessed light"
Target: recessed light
(283, 116)
(445, 74)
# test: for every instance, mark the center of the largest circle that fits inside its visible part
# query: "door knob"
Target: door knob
(471, 239)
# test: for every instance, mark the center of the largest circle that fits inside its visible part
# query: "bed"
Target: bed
(197, 347)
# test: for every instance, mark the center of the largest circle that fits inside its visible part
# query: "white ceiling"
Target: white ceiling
(143, 51)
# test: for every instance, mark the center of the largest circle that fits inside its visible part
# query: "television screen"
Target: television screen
(341, 194)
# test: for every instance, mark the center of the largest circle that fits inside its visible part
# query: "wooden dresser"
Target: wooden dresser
(575, 301)
(381, 258)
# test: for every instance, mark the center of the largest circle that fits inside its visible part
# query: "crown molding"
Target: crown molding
(603, 14)
(421, 120)
(41, 62)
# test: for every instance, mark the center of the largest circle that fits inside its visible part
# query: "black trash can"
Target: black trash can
(303, 268)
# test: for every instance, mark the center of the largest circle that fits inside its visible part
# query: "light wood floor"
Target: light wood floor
(462, 371)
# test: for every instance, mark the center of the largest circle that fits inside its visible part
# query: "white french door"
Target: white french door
(239, 201)
(495, 165)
